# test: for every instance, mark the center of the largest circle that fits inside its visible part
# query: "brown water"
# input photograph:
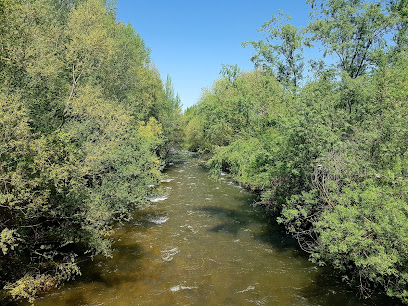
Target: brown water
(203, 244)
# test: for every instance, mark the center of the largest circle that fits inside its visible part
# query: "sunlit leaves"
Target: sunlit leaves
(351, 30)
(331, 160)
(280, 51)
(83, 118)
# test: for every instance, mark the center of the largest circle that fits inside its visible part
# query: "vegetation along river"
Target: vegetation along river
(204, 243)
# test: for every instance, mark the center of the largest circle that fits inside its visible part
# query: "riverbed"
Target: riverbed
(203, 242)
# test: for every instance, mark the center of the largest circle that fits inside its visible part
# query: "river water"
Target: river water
(203, 243)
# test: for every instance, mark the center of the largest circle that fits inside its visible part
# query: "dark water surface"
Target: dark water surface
(204, 244)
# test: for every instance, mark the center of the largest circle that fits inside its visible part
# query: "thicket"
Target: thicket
(328, 153)
(85, 123)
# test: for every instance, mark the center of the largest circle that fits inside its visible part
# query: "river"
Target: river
(204, 243)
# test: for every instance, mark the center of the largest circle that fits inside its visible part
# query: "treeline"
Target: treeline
(327, 152)
(85, 123)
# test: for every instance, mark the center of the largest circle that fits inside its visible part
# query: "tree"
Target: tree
(280, 51)
(400, 9)
(170, 116)
(82, 117)
(230, 72)
(351, 30)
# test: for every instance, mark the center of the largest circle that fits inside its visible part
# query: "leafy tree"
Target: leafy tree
(400, 9)
(171, 115)
(280, 51)
(230, 72)
(83, 118)
(331, 161)
(351, 30)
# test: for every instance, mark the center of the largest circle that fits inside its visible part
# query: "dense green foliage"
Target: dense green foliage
(331, 157)
(84, 122)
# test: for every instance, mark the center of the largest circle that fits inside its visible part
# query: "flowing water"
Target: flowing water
(203, 243)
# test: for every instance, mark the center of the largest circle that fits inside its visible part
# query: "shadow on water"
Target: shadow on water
(77, 300)
(327, 287)
(232, 213)
(275, 235)
(98, 274)
(112, 272)
(233, 220)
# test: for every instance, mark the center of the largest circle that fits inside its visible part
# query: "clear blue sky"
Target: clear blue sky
(191, 39)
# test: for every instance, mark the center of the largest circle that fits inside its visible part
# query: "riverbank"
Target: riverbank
(203, 243)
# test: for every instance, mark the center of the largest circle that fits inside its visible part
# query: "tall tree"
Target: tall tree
(351, 30)
(81, 125)
(281, 50)
(400, 9)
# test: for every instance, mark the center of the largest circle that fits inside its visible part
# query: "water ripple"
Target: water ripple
(168, 255)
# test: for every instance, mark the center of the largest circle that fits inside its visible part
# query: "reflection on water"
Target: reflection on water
(203, 244)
